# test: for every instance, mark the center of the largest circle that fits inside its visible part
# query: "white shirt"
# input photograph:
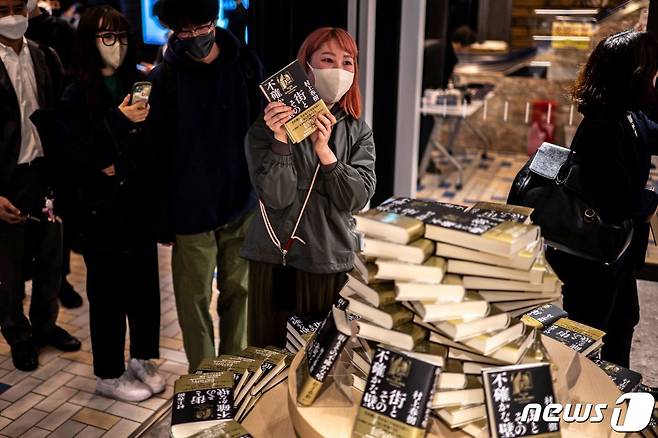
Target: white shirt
(21, 73)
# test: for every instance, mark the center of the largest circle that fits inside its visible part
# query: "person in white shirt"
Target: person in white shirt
(30, 232)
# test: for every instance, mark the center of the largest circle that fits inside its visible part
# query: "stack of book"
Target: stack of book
(299, 331)
(225, 388)
(449, 285)
(439, 293)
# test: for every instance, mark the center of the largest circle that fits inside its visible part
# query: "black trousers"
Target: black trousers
(123, 284)
(277, 292)
(29, 247)
(604, 297)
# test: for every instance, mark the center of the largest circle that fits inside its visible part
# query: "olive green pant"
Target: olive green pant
(193, 263)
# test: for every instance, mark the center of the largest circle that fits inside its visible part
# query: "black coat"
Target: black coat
(113, 209)
(615, 166)
(199, 116)
(48, 73)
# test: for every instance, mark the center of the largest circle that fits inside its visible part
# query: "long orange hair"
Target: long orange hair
(351, 101)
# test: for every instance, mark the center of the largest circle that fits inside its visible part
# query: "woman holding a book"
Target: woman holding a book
(302, 243)
(615, 143)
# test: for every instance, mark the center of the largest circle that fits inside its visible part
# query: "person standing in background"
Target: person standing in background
(44, 28)
(613, 146)
(98, 129)
(30, 231)
(48, 30)
(199, 116)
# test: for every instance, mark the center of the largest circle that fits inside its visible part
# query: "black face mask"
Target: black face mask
(198, 47)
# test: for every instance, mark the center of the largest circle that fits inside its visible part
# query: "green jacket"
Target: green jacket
(282, 182)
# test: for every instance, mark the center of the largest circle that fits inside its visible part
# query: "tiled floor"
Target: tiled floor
(58, 400)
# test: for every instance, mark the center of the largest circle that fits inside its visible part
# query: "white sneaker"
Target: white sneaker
(147, 372)
(125, 388)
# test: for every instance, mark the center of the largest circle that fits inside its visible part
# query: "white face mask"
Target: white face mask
(13, 26)
(113, 55)
(332, 83)
(31, 5)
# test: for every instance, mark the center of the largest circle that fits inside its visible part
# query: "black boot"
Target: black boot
(68, 296)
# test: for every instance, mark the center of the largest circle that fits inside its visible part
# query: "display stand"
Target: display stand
(336, 389)
(270, 417)
(584, 381)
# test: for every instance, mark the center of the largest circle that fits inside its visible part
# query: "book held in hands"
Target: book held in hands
(292, 86)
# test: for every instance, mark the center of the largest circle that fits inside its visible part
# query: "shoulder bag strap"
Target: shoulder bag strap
(293, 236)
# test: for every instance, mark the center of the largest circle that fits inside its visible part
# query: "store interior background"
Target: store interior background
(532, 69)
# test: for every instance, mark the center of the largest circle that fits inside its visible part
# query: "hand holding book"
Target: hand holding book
(276, 115)
(320, 138)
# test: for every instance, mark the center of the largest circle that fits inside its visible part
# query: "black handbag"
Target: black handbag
(551, 183)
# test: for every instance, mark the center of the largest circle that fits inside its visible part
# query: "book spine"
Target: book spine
(312, 380)
(401, 317)
(309, 389)
(262, 90)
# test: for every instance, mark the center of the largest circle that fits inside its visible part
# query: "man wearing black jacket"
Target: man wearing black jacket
(199, 117)
(55, 32)
(30, 233)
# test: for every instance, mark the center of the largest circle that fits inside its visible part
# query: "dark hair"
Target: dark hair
(178, 13)
(87, 62)
(618, 75)
(464, 35)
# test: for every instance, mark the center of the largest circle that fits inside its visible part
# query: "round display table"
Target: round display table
(580, 377)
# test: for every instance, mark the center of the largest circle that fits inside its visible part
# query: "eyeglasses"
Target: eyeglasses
(13, 9)
(196, 31)
(111, 38)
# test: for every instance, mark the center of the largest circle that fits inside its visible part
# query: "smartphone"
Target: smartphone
(29, 217)
(140, 92)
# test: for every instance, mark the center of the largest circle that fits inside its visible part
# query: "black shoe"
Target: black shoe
(60, 339)
(69, 297)
(24, 355)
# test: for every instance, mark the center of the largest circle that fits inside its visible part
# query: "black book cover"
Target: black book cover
(235, 364)
(423, 210)
(397, 397)
(625, 379)
(321, 355)
(543, 316)
(292, 86)
(508, 390)
(502, 212)
(203, 397)
(576, 336)
(304, 325)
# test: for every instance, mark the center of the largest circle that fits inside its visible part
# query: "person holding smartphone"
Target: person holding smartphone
(99, 130)
(317, 183)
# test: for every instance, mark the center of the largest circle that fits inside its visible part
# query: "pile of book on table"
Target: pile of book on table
(299, 329)
(439, 293)
(223, 391)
